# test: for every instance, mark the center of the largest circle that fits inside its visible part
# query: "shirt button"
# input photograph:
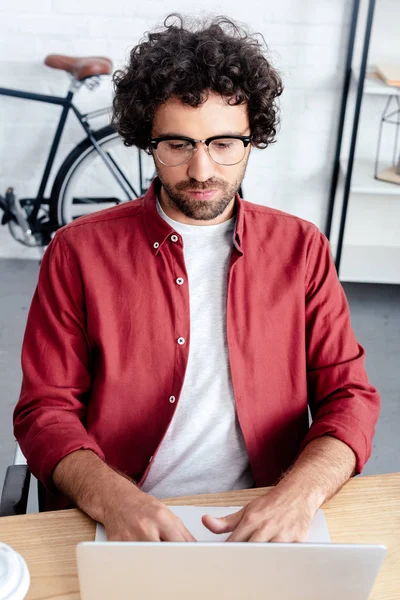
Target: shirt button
(156, 245)
(150, 459)
(174, 238)
(181, 341)
(172, 399)
(180, 281)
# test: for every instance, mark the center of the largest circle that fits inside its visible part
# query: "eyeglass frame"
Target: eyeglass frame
(246, 139)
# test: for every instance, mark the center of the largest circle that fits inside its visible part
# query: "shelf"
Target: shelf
(369, 264)
(364, 182)
(374, 84)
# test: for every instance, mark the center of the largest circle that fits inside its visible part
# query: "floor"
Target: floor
(375, 311)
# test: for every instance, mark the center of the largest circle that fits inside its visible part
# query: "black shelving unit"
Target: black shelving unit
(356, 118)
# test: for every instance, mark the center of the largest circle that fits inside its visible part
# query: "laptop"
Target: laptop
(234, 571)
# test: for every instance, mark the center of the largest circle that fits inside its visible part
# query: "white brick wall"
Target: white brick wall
(307, 41)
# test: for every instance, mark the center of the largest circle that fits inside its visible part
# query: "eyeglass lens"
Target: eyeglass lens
(229, 151)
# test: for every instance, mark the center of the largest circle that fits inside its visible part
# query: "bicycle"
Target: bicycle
(99, 172)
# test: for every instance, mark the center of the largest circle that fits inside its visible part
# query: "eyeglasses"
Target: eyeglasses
(227, 150)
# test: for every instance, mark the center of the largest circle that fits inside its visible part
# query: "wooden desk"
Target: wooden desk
(366, 510)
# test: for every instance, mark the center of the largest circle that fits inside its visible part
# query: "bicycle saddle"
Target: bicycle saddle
(80, 67)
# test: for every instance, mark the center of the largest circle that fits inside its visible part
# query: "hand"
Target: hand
(276, 517)
(133, 515)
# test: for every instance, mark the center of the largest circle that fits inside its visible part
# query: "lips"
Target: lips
(202, 195)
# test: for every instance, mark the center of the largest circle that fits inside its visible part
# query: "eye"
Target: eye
(178, 145)
(223, 145)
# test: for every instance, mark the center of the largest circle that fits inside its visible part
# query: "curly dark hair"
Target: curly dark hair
(188, 62)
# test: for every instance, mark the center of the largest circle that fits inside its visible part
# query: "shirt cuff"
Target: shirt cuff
(354, 438)
(46, 452)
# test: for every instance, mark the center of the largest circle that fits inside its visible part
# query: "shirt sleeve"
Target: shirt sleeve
(49, 416)
(342, 402)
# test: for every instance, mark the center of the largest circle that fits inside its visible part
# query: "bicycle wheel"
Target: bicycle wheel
(84, 183)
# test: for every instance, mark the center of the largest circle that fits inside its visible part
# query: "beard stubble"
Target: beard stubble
(201, 210)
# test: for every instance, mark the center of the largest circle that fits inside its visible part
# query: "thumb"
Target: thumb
(222, 524)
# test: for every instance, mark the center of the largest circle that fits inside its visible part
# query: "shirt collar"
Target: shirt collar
(158, 230)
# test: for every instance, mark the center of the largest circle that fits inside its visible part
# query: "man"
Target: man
(175, 342)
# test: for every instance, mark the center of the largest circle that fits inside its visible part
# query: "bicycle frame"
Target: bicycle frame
(67, 105)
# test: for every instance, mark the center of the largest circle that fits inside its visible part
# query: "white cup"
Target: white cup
(14, 574)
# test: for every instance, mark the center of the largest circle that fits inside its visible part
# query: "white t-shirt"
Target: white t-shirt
(203, 450)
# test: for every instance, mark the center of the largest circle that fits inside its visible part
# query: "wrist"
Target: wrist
(93, 485)
(303, 490)
(322, 468)
(113, 492)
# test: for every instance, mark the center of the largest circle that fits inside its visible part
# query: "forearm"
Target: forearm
(320, 471)
(89, 482)
(285, 513)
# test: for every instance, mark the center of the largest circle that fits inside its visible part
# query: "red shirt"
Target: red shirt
(101, 356)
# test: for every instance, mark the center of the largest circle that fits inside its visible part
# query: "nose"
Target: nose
(200, 166)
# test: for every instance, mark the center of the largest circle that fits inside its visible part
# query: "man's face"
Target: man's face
(182, 185)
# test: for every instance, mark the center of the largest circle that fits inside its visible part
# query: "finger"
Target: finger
(152, 535)
(133, 536)
(222, 524)
(288, 538)
(260, 536)
(241, 534)
(187, 535)
(244, 531)
(171, 533)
